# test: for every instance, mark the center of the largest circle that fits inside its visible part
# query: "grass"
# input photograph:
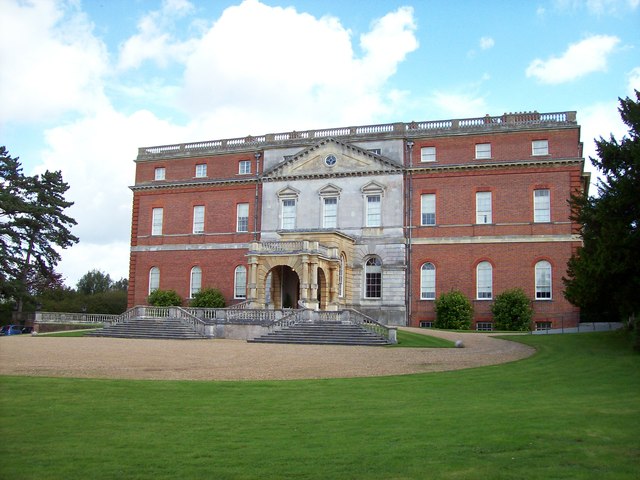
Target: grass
(70, 333)
(569, 412)
(417, 340)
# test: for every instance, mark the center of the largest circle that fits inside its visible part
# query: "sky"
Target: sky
(85, 83)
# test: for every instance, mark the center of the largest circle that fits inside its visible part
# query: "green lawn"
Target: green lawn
(410, 339)
(570, 412)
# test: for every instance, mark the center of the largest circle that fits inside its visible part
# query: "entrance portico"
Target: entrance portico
(315, 267)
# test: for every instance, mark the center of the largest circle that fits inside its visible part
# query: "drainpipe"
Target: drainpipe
(409, 217)
(257, 199)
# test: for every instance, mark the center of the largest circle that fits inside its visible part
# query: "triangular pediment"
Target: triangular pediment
(331, 157)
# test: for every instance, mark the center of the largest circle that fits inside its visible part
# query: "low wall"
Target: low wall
(236, 331)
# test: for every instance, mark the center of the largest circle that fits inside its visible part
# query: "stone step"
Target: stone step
(159, 328)
(323, 334)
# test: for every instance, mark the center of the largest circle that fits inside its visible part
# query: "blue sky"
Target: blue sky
(83, 84)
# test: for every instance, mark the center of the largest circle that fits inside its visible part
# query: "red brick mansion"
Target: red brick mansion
(379, 218)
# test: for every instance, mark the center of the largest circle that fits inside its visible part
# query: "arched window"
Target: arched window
(543, 280)
(373, 278)
(154, 279)
(428, 282)
(240, 282)
(484, 281)
(196, 281)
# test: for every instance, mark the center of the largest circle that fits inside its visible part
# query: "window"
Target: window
(201, 170)
(374, 211)
(425, 324)
(156, 221)
(244, 167)
(541, 206)
(483, 150)
(484, 281)
(240, 282)
(483, 207)
(428, 209)
(484, 326)
(540, 147)
(373, 278)
(330, 212)
(543, 280)
(428, 282)
(198, 219)
(154, 279)
(543, 326)
(428, 154)
(242, 224)
(196, 281)
(288, 214)
(159, 173)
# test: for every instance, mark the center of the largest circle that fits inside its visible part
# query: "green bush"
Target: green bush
(453, 311)
(164, 298)
(512, 311)
(208, 298)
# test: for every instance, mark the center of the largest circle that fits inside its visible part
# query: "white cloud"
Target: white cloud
(633, 81)
(597, 7)
(599, 120)
(51, 62)
(155, 41)
(486, 43)
(459, 105)
(581, 58)
(268, 67)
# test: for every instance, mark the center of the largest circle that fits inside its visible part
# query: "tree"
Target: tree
(208, 298)
(454, 311)
(512, 311)
(94, 282)
(603, 276)
(33, 226)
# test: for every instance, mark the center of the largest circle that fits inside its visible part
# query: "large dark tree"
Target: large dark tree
(94, 281)
(603, 277)
(33, 225)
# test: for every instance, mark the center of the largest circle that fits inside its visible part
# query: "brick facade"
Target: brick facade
(528, 153)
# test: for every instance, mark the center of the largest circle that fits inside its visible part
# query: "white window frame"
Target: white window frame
(484, 208)
(542, 205)
(244, 167)
(156, 221)
(484, 281)
(373, 266)
(240, 283)
(154, 279)
(242, 217)
(544, 280)
(428, 281)
(428, 209)
(373, 210)
(483, 151)
(330, 212)
(539, 147)
(159, 173)
(201, 170)
(198, 219)
(484, 327)
(428, 154)
(426, 324)
(289, 214)
(195, 281)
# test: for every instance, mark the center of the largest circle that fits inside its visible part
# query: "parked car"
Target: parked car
(11, 330)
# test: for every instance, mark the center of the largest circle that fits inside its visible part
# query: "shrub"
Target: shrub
(208, 298)
(164, 298)
(454, 311)
(512, 311)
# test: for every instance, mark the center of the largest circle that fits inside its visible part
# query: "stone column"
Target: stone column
(253, 280)
(304, 281)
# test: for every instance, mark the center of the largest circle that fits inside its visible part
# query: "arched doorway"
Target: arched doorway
(282, 287)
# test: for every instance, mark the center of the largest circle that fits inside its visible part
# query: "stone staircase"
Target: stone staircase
(149, 327)
(325, 333)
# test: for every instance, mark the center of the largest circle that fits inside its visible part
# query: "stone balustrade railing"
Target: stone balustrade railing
(400, 130)
(80, 318)
(287, 247)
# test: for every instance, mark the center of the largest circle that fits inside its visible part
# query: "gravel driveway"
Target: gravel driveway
(94, 357)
